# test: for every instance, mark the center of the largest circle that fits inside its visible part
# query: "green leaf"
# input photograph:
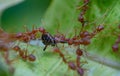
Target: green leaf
(26, 13)
(62, 14)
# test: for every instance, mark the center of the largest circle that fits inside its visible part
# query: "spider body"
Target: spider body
(48, 39)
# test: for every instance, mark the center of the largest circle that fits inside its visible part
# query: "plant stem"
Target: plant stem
(104, 61)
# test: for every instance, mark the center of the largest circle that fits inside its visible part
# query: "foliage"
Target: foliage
(62, 15)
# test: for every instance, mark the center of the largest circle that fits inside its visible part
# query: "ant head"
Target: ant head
(19, 35)
(81, 18)
(16, 48)
(100, 28)
(42, 30)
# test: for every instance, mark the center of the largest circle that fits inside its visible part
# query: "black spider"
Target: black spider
(47, 39)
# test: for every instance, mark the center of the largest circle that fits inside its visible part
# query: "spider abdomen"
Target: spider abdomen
(47, 39)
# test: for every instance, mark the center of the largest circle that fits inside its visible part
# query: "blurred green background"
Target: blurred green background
(50, 14)
(28, 12)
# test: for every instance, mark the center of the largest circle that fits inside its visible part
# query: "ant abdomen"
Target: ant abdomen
(71, 65)
(31, 57)
(80, 71)
(115, 47)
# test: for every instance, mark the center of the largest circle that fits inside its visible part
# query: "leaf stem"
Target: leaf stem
(104, 61)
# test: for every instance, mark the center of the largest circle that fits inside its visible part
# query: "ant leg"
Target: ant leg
(6, 57)
(7, 61)
(58, 27)
(15, 44)
(1, 30)
(78, 61)
(43, 23)
(33, 27)
(26, 53)
(57, 50)
(33, 51)
(56, 45)
(26, 29)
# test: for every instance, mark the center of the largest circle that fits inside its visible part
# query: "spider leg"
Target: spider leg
(45, 47)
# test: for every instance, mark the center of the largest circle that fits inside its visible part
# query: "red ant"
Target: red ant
(79, 53)
(26, 37)
(71, 65)
(84, 34)
(81, 16)
(29, 35)
(4, 47)
(60, 38)
(100, 28)
(79, 70)
(23, 54)
(61, 54)
(81, 19)
(84, 38)
(70, 42)
(47, 39)
(115, 47)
